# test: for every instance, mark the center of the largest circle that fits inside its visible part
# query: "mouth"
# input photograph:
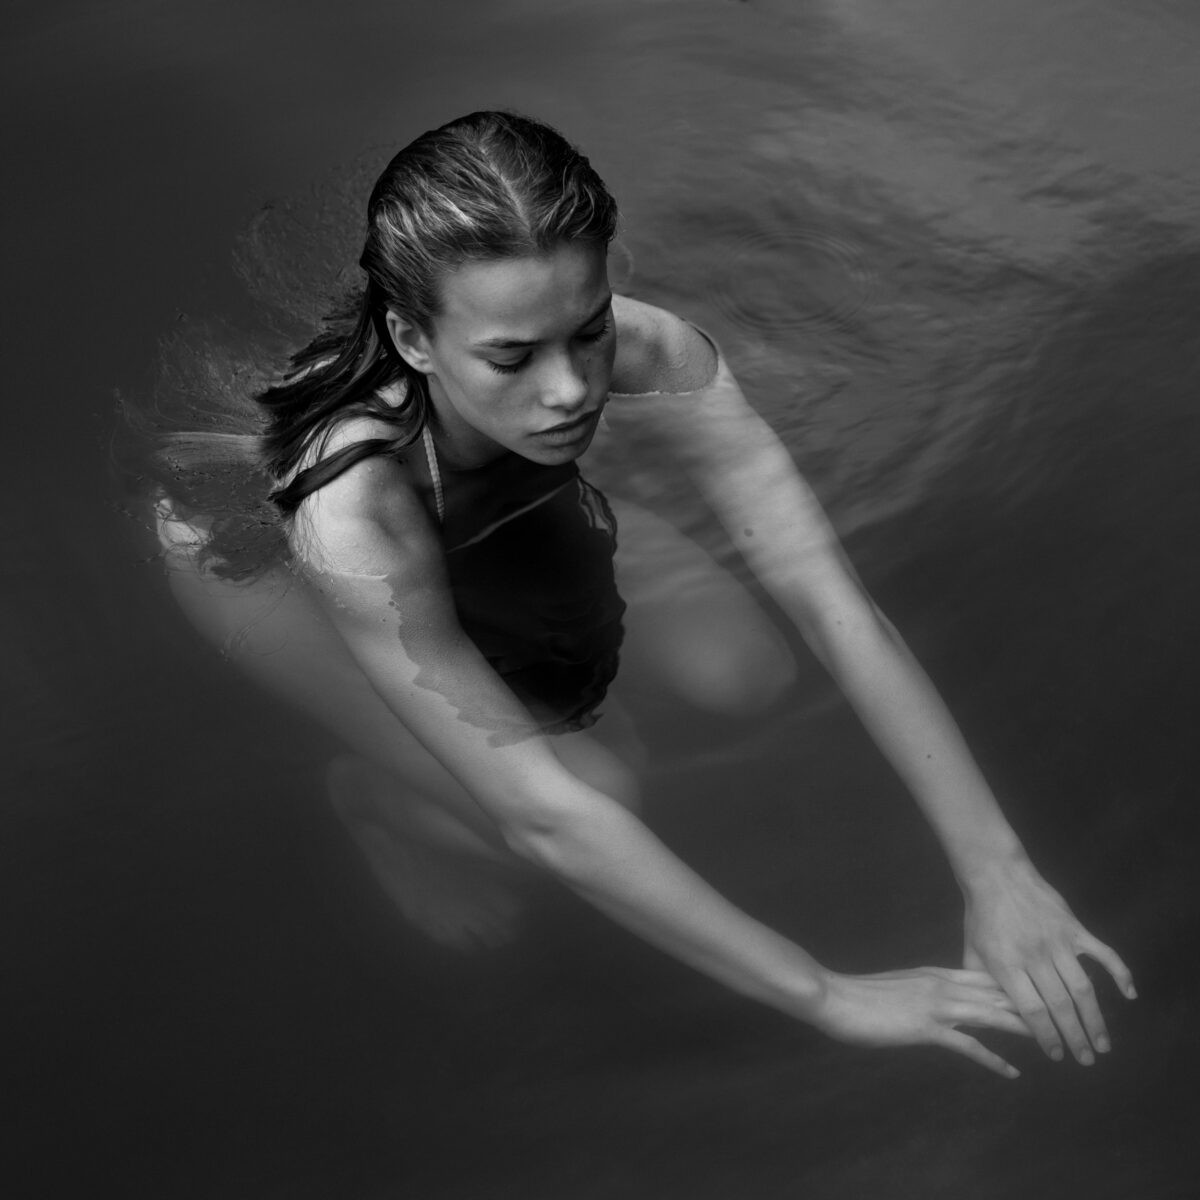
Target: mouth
(570, 430)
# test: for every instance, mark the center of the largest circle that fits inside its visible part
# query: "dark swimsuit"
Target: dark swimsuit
(534, 588)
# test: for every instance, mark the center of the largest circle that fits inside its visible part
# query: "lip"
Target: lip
(569, 430)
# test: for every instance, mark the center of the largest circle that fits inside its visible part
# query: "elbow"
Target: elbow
(565, 837)
(532, 816)
(533, 836)
(555, 822)
(550, 842)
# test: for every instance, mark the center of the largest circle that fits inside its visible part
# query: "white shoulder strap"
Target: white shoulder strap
(434, 473)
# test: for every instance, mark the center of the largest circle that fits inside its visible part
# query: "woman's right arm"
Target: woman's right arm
(370, 550)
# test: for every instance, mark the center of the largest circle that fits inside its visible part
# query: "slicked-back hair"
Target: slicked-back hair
(487, 186)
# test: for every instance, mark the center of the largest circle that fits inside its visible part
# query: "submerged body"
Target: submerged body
(418, 624)
(531, 572)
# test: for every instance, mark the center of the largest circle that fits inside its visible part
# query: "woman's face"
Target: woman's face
(520, 357)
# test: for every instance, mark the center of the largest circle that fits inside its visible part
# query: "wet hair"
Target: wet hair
(224, 431)
(487, 186)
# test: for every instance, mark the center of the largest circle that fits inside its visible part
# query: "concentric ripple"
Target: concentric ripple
(783, 280)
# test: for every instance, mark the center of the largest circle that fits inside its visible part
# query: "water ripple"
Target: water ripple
(782, 280)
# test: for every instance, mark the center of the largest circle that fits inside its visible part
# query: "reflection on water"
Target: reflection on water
(986, 363)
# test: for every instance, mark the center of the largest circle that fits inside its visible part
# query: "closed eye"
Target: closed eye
(599, 333)
(513, 368)
(508, 368)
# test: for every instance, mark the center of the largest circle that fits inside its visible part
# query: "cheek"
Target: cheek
(482, 389)
(494, 399)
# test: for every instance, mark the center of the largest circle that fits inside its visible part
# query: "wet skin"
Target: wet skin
(520, 358)
(519, 363)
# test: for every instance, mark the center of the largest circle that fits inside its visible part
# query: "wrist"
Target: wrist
(839, 1006)
(808, 995)
(980, 872)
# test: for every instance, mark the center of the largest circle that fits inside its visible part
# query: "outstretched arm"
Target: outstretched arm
(1017, 927)
(371, 554)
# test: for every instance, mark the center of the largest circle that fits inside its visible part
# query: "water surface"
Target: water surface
(952, 251)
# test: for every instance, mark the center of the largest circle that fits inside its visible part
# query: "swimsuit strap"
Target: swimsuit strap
(434, 473)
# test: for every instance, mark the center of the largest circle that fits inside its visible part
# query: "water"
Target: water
(952, 252)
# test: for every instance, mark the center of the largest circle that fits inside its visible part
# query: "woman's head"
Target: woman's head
(485, 187)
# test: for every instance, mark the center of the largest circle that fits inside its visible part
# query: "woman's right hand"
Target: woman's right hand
(924, 1005)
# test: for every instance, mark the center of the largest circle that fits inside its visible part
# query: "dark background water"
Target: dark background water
(952, 251)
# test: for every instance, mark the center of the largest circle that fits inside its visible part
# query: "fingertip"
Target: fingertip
(1123, 977)
(1113, 964)
(1000, 1067)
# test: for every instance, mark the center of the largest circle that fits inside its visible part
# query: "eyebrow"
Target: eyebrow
(502, 343)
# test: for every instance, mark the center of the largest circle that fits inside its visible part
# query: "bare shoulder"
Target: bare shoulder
(658, 351)
(368, 520)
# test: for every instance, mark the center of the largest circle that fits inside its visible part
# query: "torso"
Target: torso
(531, 572)
(529, 548)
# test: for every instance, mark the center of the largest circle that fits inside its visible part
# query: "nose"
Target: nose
(565, 384)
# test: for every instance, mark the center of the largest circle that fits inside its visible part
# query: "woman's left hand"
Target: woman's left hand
(1020, 930)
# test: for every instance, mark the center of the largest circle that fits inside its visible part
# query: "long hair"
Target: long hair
(487, 186)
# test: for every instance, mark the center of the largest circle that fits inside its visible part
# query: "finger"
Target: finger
(983, 994)
(975, 979)
(988, 1016)
(963, 1043)
(1084, 995)
(1035, 1012)
(1110, 960)
(1062, 1011)
(983, 1000)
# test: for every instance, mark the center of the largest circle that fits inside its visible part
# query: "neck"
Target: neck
(460, 446)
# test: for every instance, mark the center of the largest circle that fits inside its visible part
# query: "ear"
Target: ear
(411, 344)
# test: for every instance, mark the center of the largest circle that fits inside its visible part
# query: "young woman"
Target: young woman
(444, 599)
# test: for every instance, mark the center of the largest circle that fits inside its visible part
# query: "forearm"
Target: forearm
(611, 859)
(912, 727)
(605, 854)
(1019, 931)
(776, 523)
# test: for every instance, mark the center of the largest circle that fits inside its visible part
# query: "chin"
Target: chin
(556, 456)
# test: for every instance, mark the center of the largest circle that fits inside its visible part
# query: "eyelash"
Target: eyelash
(513, 368)
(508, 368)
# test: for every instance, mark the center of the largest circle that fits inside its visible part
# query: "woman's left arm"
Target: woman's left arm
(1017, 927)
